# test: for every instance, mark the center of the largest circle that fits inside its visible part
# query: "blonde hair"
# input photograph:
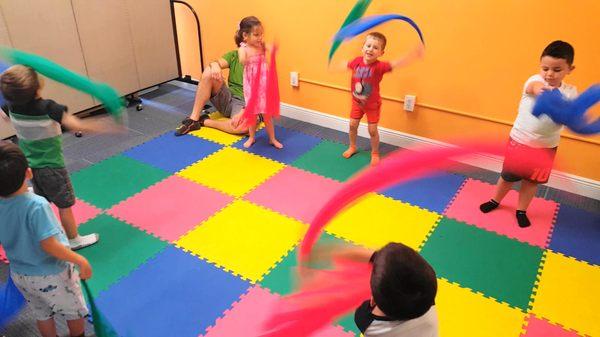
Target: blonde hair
(19, 84)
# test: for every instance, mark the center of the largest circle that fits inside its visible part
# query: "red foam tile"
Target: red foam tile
(542, 328)
(295, 193)
(81, 210)
(502, 220)
(247, 316)
(170, 208)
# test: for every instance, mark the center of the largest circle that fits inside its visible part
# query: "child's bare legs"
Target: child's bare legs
(47, 328)
(76, 327)
(374, 134)
(271, 133)
(526, 194)
(251, 135)
(68, 222)
(502, 188)
(353, 132)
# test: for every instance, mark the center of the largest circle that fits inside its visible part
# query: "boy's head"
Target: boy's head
(374, 46)
(556, 62)
(403, 284)
(13, 168)
(19, 84)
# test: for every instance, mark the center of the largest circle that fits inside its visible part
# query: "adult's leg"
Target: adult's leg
(206, 87)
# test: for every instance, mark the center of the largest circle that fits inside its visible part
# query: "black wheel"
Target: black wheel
(139, 107)
(78, 134)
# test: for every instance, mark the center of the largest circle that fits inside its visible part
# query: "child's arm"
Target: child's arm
(536, 88)
(53, 247)
(339, 66)
(242, 54)
(90, 125)
(409, 58)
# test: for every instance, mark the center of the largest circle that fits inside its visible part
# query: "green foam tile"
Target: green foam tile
(121, 249)
(326, 159)
(113, 180)
(492, 264)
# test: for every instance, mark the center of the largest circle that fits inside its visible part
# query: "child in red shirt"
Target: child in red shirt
(367, 72)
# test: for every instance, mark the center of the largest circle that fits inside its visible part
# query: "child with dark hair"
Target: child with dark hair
(38, 124)
(42, 264)
(252, 54)
(533, 141)
(403, 287)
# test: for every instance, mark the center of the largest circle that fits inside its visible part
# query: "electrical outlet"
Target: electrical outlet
(409, 102)
(294, 78)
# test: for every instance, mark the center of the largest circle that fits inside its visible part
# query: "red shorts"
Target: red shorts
(524, 162)
(372, 112)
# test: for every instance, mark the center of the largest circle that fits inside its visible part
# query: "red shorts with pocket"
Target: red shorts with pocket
(528, 163)
(359, 110)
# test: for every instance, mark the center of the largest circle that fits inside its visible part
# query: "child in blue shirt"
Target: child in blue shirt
(42, 264)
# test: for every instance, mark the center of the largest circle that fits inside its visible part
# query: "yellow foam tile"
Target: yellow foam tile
(375, 220)
(232, 171)
(244, 239)
(217, 136)
(569, 294)
(462, 312)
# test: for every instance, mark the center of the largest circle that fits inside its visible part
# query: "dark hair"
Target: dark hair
(19, 84)
(13, 165)
(380, 37)
(403, 284)
(560, 50)
(246, 26)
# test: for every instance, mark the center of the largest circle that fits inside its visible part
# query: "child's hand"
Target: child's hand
(419, 51)
(85, 269)
(538, 90)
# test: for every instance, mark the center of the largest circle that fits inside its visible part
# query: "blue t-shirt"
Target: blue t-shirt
(25, 220)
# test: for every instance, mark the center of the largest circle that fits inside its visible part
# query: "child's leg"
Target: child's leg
(70, 225)
(76, 327)
(502, 188)
(352, 133)
(374, 133)
(271, 133)
(526, 194)
(251, 134)
(47, 328)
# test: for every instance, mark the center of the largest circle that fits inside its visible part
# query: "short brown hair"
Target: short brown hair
(13, 166)
(19, 84)
(380, 37)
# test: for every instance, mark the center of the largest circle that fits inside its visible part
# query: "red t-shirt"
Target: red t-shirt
(365, 81)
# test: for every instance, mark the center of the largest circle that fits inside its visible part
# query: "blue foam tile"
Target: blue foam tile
(171, 153)
(432, 192)
(577, 234)
(294, 143)
(173, 294)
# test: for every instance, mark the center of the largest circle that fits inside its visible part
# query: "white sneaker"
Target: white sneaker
(84, 241)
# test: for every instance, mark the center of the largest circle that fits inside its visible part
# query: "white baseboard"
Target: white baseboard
(560, 180)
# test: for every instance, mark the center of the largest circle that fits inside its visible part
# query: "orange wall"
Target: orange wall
(479, 53)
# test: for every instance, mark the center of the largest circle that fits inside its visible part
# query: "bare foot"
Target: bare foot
(249, 142)
(374, 158)
(276, 144)
(350, 152)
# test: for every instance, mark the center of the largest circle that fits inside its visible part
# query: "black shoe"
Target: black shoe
(522, 219)
(187, 125)
(488, 206)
